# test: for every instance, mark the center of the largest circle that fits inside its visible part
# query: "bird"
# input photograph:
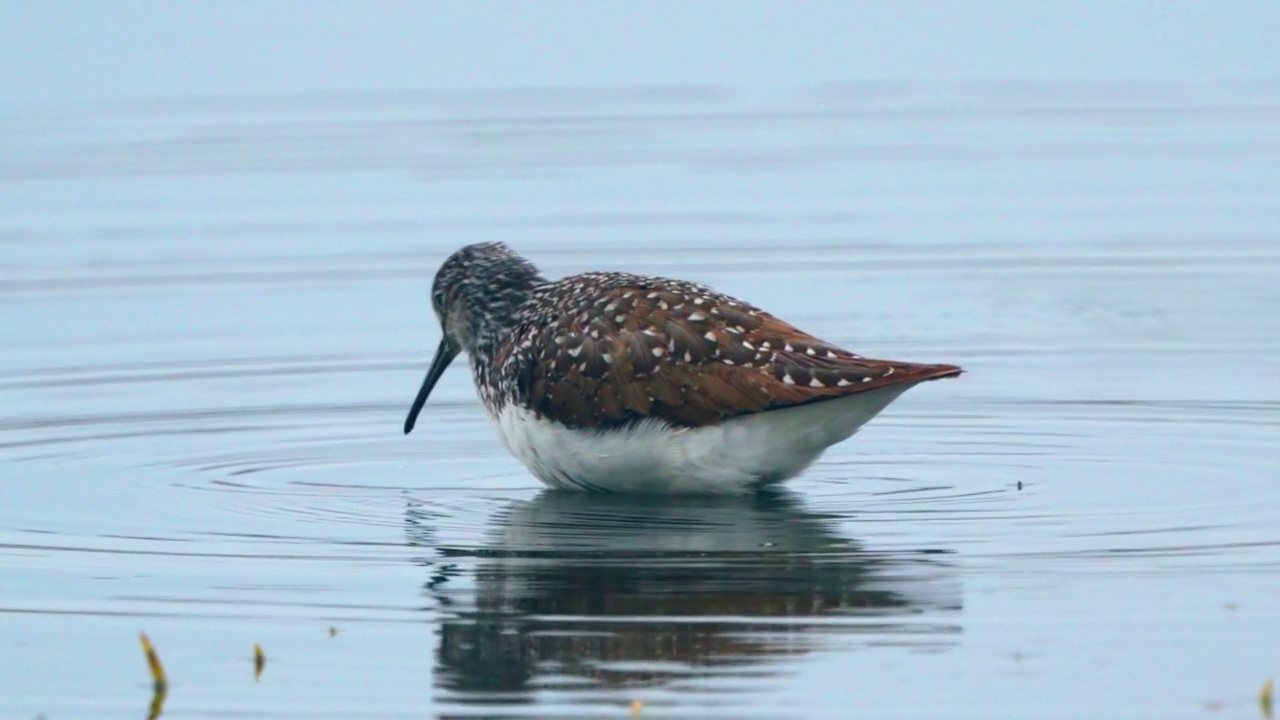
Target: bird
(616, 382)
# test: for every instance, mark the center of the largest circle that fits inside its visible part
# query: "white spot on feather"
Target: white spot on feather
(696, 317)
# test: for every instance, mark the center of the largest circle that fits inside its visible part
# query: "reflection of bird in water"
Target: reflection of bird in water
(635, 590)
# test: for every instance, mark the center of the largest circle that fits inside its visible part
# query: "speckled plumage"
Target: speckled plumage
(608, 351)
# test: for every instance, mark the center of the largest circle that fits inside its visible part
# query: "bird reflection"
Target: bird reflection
(573, 590)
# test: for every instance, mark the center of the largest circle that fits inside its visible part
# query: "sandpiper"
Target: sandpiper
(608, 381)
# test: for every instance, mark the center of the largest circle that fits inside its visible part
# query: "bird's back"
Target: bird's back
(607, 349)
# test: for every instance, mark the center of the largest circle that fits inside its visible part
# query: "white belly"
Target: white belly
(734, 456)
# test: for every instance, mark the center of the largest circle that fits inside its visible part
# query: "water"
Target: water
(214, 314)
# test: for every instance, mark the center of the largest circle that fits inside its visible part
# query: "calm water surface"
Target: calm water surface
(214, 314)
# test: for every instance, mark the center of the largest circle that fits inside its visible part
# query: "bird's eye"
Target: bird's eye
(437, 299)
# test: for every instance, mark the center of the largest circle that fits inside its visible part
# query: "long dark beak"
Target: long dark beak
(444, 355)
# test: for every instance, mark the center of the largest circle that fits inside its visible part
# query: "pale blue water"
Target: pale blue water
(217, 240)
